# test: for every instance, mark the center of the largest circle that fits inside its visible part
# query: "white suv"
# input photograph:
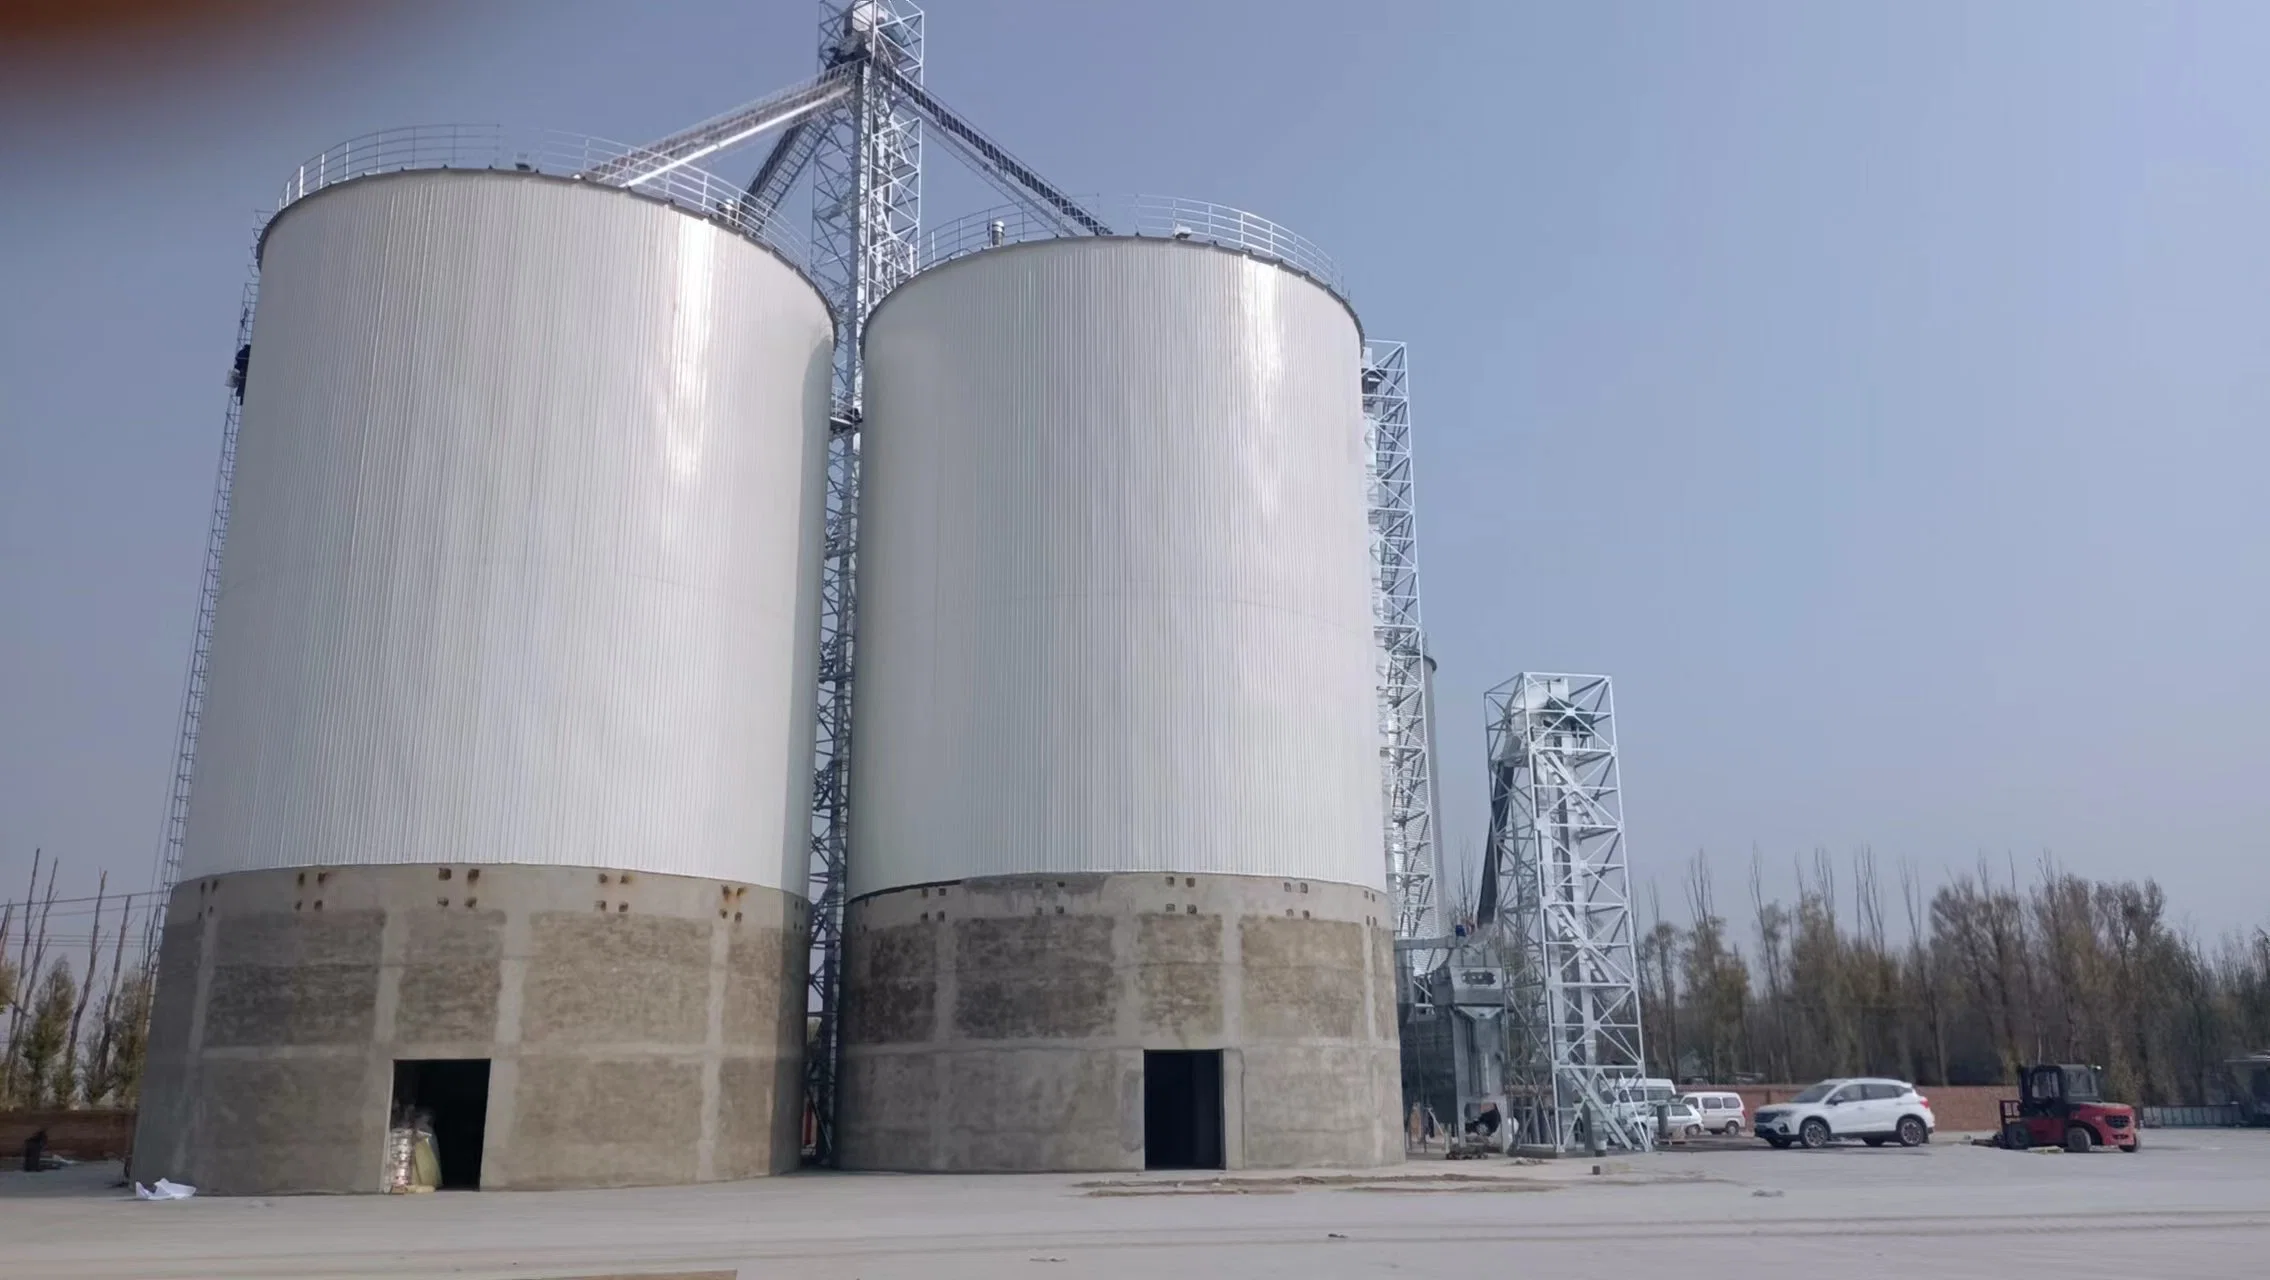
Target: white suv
(1876, 1111)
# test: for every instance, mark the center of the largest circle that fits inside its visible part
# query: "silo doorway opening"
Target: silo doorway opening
(1182, 1109)
(452, 1096)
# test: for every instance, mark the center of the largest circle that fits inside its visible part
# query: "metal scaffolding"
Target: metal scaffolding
(866, 160)
(1404, 701)
(1557, 884)
(866, 171)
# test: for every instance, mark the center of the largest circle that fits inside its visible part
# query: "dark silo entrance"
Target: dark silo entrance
(454, 1093)
(1182, 1109)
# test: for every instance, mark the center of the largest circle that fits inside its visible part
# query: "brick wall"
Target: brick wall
(1961, 1108)
(81, 1135)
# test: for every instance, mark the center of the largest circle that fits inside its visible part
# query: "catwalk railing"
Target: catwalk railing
(1151, 217)
(559, 155)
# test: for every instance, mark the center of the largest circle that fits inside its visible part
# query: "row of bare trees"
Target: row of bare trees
(1991, 971)
(71, 1034)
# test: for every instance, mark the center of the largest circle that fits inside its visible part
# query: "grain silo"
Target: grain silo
(502, 776)
(1117, 886)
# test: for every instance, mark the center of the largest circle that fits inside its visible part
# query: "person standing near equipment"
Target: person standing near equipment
(1486, 1124)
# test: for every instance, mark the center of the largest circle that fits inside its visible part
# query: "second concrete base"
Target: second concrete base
(1001, 1023)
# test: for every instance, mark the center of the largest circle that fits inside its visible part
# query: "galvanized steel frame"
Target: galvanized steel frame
(866, 173)
(782, 108)
(866, 220)
(1403, 701)
(1564, 894)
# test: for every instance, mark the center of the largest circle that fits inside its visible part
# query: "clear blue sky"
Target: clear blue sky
(1876, 391)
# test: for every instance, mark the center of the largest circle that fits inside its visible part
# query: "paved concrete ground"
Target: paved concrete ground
(2193, 1205)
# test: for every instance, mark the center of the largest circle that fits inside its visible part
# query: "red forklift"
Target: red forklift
(2064, 1106)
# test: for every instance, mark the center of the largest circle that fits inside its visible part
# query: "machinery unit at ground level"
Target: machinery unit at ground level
(1118, 892)
(500, 805)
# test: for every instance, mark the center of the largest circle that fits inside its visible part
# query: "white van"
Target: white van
(1721, 1112)
(1636, 1099)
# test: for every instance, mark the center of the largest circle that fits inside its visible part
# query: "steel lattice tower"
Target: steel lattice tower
(1563, 896)
(866, 219)
(866, 173)
(1403, 701)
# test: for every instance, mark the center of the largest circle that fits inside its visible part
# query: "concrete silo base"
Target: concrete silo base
(1010, 1023)
(595, 1028)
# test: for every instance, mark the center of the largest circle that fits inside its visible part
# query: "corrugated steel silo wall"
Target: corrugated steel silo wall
(523, 556)
(1115, 594)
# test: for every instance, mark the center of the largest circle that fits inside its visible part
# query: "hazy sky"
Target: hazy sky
(1877, 392)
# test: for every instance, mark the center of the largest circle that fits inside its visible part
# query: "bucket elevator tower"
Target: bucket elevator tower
(1556, 883)
(866, 217)
(1405, 698)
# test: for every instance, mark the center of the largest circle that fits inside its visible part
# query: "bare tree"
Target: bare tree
(1773, 932)
(1658, 949)
(2029, 985)
(101, 1077)
(1998, 919)
(1993, 973)
(86, 991)
(19, 980)
(38, 1050)
(2068, 943)
(1718, 982)
(7, 970)
(31, 961)
(1819, 971)
(1876, 974)
(1924, 972)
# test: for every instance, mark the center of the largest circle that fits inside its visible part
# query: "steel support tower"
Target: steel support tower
(866, 173)
(866, 222)
(1404, 703)
(1559, 889)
